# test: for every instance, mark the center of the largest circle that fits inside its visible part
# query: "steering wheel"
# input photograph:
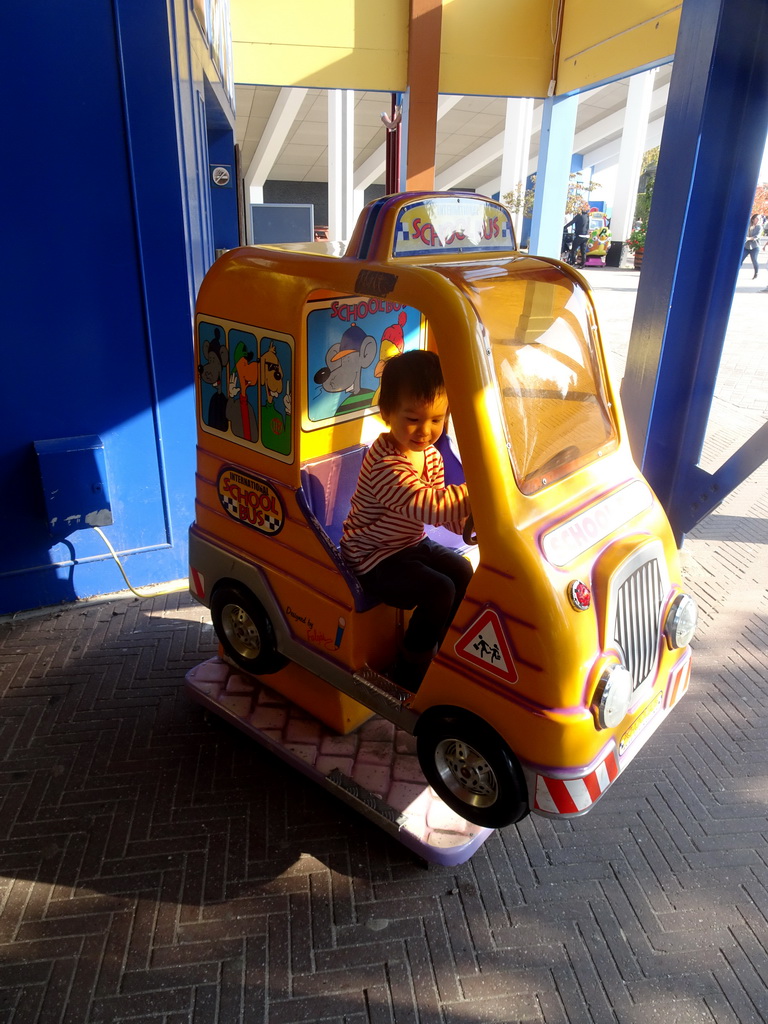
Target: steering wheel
(565, 455)
(468, 533)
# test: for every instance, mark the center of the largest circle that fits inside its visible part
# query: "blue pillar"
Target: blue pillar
(223, 183)
(558, 123)
(714, 133)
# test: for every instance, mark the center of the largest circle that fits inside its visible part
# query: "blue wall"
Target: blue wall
(109, 231)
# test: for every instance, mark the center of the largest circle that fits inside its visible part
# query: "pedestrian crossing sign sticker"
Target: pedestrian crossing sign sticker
(485, 645)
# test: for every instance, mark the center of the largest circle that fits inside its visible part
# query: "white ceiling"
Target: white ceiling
(293, 145)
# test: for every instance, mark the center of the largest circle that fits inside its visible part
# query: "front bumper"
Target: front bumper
(571, 792)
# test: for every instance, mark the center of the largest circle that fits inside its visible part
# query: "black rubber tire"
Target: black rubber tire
(472, 770)
(244, 631)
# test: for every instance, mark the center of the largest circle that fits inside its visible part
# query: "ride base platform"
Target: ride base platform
(373, 769)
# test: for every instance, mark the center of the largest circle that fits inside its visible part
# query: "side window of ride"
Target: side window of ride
(349, 340)
(245, 386)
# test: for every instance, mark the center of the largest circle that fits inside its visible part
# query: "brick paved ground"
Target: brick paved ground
(156, 866)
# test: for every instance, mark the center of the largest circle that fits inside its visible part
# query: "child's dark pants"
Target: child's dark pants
(427, 577)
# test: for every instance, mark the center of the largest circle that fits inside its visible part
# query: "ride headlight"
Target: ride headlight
(612, 696)
(681, 621)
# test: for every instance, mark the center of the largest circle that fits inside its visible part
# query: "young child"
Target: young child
(401, 487)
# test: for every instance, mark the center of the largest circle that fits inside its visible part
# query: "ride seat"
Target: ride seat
(327, 486)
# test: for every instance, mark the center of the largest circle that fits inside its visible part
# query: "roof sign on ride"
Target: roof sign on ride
(443, 225)
(485, 645)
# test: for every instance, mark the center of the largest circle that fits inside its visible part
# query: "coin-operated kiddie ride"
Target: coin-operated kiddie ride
(571, 645)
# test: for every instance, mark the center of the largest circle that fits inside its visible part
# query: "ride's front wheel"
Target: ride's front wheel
(244, 630)
(473, 770)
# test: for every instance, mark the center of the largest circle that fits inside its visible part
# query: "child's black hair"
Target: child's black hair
(415, 375)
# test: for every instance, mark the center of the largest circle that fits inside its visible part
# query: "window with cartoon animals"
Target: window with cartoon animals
(245, 377)
(349, 339)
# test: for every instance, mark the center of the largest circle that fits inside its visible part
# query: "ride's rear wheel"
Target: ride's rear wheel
(244, 630)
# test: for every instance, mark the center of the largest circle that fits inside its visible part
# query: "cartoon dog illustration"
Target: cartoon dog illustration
(273, 376)
(345, 361)
(240, 412)
(275, 426)
(216, 358)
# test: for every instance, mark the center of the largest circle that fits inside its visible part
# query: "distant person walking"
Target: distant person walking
(751, 246)
(580, 235)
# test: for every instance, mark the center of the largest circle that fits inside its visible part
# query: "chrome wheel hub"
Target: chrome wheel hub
(466, 773)
(241, 631)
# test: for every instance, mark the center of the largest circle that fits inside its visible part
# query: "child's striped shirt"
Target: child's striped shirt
(392, 503)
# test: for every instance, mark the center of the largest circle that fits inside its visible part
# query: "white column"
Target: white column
(631, 154)
(281, 118)
(514, 157)
(340, 160)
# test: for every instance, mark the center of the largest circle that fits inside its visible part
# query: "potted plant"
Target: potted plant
(636, 242)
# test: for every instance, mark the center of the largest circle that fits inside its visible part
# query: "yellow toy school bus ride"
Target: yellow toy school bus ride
(572, 643)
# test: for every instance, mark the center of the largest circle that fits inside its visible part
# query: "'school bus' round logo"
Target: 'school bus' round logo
(251, 501)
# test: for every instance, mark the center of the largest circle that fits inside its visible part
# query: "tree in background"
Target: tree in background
(636, 240)
(647, 181)
(520, 199)
(760, 204)
(578, 194)
(643, 204)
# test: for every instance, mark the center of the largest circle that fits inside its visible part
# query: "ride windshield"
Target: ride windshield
(540, 334)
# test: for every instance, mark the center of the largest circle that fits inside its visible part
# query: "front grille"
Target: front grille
(638, 620)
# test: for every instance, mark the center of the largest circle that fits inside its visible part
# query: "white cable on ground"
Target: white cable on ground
(155, 591)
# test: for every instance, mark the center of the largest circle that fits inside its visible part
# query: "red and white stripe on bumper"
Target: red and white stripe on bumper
(574, 796)
(198, 583)
(679, 679)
